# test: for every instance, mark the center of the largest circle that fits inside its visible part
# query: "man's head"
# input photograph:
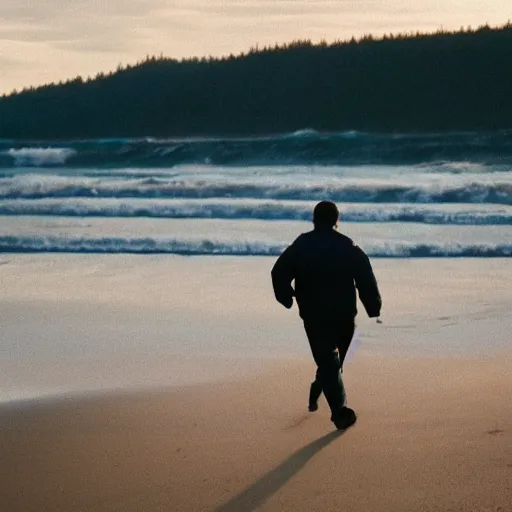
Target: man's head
(325, 215)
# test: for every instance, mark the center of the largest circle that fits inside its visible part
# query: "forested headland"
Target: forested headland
(405, 83)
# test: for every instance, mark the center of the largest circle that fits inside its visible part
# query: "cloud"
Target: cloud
(7, 62)
(86, 25)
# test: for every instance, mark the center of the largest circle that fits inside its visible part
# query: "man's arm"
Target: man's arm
(366, 282)
(283, 273)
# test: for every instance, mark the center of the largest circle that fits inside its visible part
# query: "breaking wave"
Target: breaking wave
(471, 189)
(148, 245)
(40, 157)
(262, 210)
(446, 195)
(304, 147)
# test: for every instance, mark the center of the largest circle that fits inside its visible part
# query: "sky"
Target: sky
(44, 41)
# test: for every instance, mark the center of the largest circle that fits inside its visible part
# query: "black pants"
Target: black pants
(325, 337)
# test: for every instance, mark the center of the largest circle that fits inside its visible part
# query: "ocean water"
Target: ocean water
(402, 195)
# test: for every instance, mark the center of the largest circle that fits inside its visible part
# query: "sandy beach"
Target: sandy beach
(136, 383)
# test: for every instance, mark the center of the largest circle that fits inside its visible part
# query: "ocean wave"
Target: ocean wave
(40, 157)
(304, 133)
(148, 245)
(303, 147)
(262, 210)
(470, 190)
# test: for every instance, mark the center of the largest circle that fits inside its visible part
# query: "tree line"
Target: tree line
(459, 80)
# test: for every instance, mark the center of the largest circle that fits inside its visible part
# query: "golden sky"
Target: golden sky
(48, 40)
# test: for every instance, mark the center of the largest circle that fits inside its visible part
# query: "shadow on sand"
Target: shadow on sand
(256, 494)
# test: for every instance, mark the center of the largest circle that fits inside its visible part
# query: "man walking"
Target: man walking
(327, 268)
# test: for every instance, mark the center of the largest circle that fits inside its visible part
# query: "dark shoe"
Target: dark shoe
(344, 419)
(314, 394)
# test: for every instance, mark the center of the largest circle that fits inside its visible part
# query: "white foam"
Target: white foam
(459, 214)
(213, 246)
(425, 188)
(40, 156)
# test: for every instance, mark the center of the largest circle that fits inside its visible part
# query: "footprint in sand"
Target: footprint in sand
(496, 432)
(298, 422)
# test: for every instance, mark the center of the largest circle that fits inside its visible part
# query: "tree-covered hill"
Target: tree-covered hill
(423, 82)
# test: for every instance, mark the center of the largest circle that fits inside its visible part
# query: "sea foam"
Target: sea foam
(39, 157)
(169, 245)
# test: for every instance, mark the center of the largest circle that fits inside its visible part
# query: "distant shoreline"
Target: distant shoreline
(422, 83)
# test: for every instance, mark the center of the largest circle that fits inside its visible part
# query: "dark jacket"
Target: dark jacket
(327, 267)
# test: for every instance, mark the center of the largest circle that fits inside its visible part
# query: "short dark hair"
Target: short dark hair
(325, 214)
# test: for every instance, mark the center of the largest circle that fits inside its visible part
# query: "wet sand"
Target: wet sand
(139, 398)
(431, 435)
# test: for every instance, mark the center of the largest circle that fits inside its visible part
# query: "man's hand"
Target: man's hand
(287, 302)
(283, 274)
